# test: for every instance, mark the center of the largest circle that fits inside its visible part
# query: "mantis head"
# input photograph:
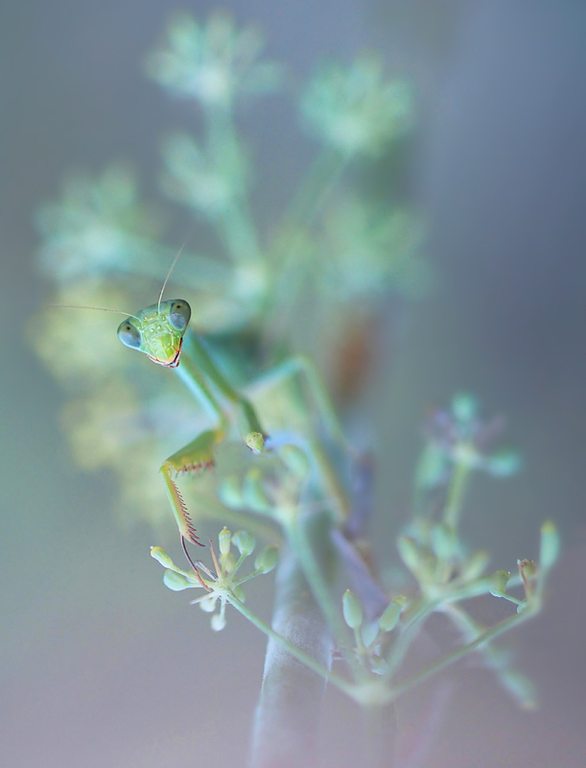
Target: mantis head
(157, 331)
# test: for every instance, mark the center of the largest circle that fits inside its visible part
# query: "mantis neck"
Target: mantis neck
(204, 379)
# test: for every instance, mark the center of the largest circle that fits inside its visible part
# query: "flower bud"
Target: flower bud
(550, 546)
(244, 542)
(410, 553)
(352, 610)
(267, 559)
(390, 616)
(224, 539)
(176, 581)
(369, 633)
(255, 441)
(528, 573)
(527, 569)
(444, 541)
(420, 560)
(162, 557)
(498, 582)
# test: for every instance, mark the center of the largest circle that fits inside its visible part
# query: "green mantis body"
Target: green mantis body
(161, 332)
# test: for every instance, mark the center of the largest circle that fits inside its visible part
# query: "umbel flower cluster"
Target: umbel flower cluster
(222, 584)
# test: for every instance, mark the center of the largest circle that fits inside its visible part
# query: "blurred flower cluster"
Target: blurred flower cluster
(336, 253)
(356, 111)
(216, 63)
(459, 438)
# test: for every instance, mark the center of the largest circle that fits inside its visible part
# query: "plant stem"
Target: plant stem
(380, 733)
(407, 634)
(463, 650)
(315, 188)
(295, 651)
(455, 498)
(235, 225)
(288, 712)
(309, 536)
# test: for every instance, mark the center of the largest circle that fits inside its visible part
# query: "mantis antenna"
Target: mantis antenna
(97, 309)
(170, 272)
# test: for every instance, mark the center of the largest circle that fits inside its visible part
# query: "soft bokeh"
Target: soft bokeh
(100, 664)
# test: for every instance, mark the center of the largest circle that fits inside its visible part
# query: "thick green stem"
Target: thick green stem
(309, 537)
(287, 720)
(380, 734)
(289, 647)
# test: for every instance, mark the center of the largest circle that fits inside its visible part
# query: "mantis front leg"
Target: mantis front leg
(202, 377)
(196, 457)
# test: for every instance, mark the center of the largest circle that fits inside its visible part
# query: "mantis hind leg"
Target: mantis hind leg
(304, 370)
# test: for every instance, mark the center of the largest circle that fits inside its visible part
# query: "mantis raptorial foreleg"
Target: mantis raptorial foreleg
(196, 457)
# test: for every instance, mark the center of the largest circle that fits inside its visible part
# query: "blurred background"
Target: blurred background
(100, 664)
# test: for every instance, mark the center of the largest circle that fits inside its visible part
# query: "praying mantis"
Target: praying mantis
(161, 331)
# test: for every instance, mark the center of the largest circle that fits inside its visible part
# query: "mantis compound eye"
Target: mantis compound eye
(179, 314)
(129, 335)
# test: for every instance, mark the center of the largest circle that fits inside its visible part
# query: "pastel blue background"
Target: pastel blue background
(100, 666)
